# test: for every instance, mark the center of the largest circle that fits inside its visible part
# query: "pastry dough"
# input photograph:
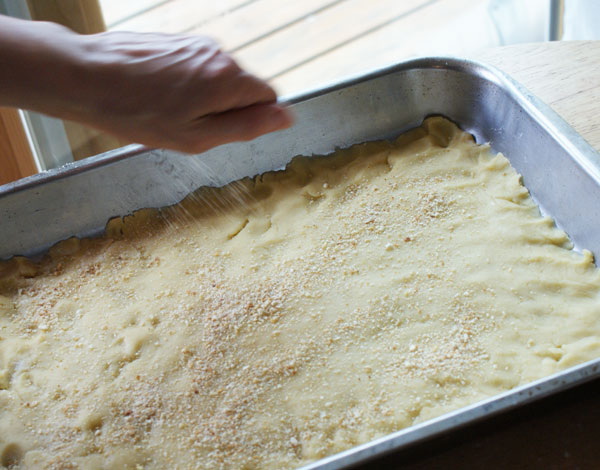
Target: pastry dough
(282, 319)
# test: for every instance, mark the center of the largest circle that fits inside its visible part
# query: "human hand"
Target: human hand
(170, 91)
(178, 92)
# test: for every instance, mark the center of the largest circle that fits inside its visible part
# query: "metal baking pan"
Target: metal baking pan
(559, 168)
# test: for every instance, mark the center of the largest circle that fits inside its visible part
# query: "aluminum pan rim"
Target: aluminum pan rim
(581, 151)
(112, 156)
(454, 420)
(552, 121)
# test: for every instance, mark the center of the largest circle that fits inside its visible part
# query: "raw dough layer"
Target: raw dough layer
(282, 319)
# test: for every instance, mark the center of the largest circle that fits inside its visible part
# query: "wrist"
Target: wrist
(64, 86)
(42, 66)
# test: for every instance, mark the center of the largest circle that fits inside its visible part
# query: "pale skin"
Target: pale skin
(170, 91)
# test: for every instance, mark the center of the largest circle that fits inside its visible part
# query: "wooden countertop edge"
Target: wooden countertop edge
(565, 75)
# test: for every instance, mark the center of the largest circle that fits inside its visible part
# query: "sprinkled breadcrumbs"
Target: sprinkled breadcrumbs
(282, 319)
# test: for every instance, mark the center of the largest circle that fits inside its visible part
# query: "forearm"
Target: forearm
(173, 91)
(41, 67)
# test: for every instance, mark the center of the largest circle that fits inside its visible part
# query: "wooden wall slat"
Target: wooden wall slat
(258, 19)
(83, 16)
(424, 32)
(16, 159)
(302, 41)
(115, 11)
(178, 15)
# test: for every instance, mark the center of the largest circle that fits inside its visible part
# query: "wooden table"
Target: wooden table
(562, 432)
(565, 75)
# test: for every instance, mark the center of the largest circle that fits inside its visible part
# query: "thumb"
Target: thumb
(237, 125)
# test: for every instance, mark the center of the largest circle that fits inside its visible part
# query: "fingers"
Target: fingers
(228, 87)
(260, 91)
(236, 125)
(177, 92)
